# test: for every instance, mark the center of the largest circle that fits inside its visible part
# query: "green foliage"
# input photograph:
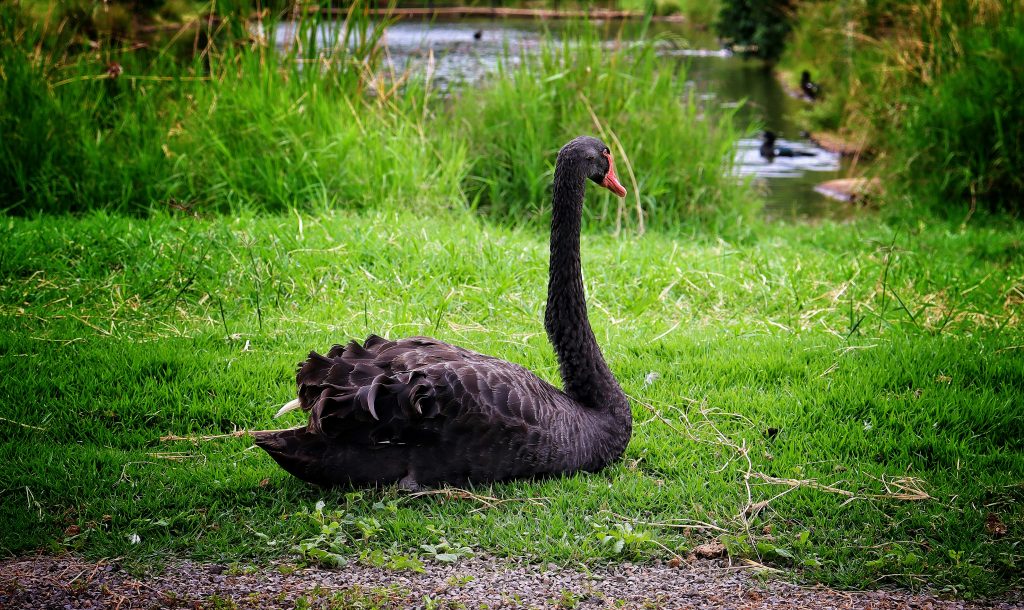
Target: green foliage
(756, 28)
(246, 127)
(622, 538)
(356, 598)
(536, 103)
(446, 552)
(932, 86)
(308, 140)
(567, 599)
(962, 139)
(392, 559)
(73, 140)
(330, 543)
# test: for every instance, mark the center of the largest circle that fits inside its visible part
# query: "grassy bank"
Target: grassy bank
(244, 126)
(930, 86)
(881, 362)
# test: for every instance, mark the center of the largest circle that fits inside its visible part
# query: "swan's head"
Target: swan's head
(594, 160)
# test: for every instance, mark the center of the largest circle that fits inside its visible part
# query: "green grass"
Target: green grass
(857, 355)
(930, 87)
(514, 127)
(240, 126)
(318, 127)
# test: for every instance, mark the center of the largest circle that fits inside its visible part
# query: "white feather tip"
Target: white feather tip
(290, 406)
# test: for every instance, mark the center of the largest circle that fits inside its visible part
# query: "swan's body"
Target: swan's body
(419, 411)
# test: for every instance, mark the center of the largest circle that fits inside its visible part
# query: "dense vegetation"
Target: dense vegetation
(934, 87)
(245, 126)
(756, 28)
(186, 220)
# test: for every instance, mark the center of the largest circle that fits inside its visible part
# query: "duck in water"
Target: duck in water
(769, 150)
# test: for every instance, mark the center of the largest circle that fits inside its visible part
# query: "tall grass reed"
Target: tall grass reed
(305, 114)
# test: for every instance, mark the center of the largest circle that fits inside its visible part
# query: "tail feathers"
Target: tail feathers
(290, 406)
(307, 456)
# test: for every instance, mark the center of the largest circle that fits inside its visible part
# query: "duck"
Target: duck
(809, 88)
(769, 150)
(418, 412)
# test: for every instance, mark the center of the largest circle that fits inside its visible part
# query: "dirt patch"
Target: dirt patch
(68, 582)
(840, 144)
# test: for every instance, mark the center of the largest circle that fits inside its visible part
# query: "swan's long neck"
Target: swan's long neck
(585, 374)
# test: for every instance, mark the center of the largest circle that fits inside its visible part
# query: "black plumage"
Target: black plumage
(769, 150)
(419, 411)
(809, 88)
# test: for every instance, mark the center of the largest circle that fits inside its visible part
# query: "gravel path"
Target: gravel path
(68, 582)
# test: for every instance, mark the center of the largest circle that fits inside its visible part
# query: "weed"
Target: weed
(459, 580)
(445, 551)
(620, 537)
(568, 599)
(392, 559)
(216, 602)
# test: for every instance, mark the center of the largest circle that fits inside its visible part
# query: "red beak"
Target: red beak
(611, 181)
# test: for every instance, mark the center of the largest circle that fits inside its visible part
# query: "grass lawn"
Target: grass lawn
(843, 401)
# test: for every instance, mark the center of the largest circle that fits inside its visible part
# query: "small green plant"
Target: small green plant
(896, 558)
(338, 530)
(622, 537)
(568, 599)
(459, 580)
(392, 560)
(362, 598)
(445, 551)
(217, 602)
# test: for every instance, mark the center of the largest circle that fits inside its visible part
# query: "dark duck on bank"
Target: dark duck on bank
(809, 88)
(769, 150)
(419, 411)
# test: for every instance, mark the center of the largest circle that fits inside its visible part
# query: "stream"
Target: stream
(466, 50)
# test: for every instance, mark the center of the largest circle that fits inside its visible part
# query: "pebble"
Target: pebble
(44, 582)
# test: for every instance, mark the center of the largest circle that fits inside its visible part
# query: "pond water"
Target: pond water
(464, 51)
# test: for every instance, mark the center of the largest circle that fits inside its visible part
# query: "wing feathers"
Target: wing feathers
(412, 390)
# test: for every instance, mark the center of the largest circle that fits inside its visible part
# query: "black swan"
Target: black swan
(769, 150)
(809, 88)
(421, 412)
